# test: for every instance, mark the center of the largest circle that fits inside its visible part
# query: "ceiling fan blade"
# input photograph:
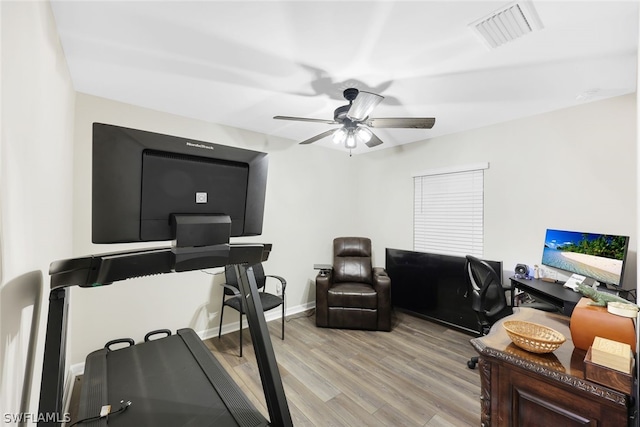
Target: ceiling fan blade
(305, 119)
(374, 141)
(363, 105)
(318, 137)
(402, 122)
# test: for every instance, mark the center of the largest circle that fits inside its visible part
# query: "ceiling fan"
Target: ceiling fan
(355, 121)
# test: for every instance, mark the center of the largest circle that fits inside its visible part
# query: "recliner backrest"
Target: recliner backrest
(352, 259)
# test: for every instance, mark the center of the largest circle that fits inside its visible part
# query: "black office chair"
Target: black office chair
(488, 298)
(232, 297)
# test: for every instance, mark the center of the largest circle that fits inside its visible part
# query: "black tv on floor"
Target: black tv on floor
(433, 286)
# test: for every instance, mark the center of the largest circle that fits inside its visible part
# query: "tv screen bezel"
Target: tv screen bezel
(117, 179)
(619, 284)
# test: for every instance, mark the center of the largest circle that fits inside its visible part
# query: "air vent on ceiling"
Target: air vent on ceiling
(506, 24)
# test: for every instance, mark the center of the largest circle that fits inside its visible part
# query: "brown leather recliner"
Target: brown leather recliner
(353, 294)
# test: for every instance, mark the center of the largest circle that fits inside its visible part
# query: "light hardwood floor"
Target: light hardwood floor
(415, 375)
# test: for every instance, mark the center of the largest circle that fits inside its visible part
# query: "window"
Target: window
(449, 211)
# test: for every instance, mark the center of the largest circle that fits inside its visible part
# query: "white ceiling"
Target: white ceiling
(240, 63)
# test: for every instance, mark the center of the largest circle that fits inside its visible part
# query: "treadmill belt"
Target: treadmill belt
(171, 381)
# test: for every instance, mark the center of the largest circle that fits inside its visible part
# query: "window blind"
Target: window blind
(449, 212)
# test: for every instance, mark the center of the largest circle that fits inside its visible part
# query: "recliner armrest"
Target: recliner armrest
(379, 271)
(324, 281)
(382, 285)
(381, 281)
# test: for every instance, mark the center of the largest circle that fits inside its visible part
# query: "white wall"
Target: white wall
(36, 139)
(572, 169)
(308, 192)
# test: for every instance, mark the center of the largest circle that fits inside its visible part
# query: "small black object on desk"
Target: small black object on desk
(551, 292)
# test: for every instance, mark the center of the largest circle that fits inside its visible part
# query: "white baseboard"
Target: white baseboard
(268, 316)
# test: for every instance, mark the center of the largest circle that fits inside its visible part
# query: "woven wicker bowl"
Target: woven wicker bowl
(533, 337)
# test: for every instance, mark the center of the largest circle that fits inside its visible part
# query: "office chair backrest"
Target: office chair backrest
(352, 260)
(231, 279)
(487, 294)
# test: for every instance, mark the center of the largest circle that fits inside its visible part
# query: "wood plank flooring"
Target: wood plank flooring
(415, 375)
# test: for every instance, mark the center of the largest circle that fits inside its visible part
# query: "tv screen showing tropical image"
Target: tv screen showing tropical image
(599, 256)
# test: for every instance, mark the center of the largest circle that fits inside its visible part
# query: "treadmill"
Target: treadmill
(173, 380)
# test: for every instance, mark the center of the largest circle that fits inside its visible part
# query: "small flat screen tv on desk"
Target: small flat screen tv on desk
(598, 256)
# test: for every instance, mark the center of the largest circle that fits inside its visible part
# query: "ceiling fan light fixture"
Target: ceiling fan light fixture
(339, 136)
(363, 135)
(350, 141)
(363, 105)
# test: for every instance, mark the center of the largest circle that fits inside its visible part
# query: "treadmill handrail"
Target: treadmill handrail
(103, 269)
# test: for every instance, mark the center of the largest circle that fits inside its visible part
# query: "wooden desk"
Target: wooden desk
(520, 388)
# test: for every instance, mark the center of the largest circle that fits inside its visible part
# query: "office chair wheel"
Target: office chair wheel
(471, 363)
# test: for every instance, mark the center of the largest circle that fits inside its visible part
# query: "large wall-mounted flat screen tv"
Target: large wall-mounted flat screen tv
(598, 256)
(142, 179)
